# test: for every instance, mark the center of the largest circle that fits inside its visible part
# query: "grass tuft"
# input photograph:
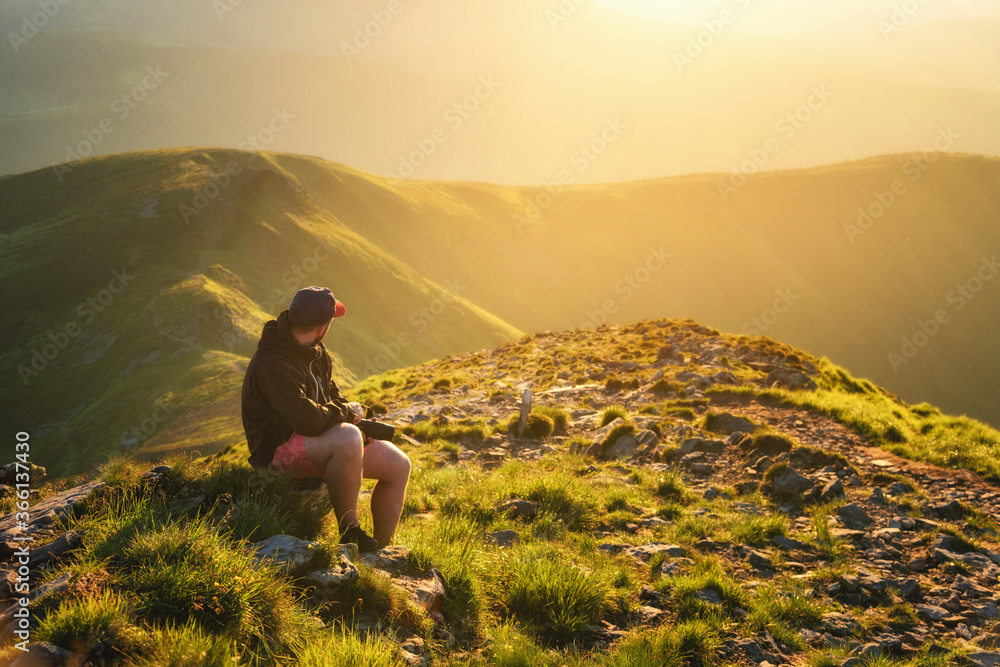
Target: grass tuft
(613, 412)
(559, 597)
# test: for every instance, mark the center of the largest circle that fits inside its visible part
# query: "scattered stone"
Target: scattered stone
(910, 589)
(789, 379)
(708, 596)
(789, 544)
(981, 659)
(849, 582)
(427, 592)
(45, 512)
(42, 555)
(727, 423)
(832, 491)
(518, 508)
(285, 552)
(931, 612)
(759, 560)
(839, 625)
(602, 433)
(789, 481)
(703, 445)
(854, 517)
(394, 560)
(624, 447)
(44, 654)
(645, 552)
(326, 582)
(9, 472)
(504, 538)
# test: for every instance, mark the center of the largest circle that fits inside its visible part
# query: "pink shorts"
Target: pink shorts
(291, 457)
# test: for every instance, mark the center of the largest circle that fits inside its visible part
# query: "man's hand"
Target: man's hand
(358, 410)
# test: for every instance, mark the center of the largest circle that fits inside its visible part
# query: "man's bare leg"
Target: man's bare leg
(338, 452)
(386, 463)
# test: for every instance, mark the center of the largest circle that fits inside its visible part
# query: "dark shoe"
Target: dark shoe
(355, 535)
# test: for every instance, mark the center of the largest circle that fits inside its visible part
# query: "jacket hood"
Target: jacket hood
(278, 334)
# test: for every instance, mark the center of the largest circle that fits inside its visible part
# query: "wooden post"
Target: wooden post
(522, 424)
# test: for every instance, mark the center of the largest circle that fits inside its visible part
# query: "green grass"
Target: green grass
(557, 596)
(756, 530)
(670, 486)
(558, 416)
(692, 643)
(563, 498)
(922, 434)
(831, 548)
(188, 572)
(782, 612)
(105, 619)
(708, 574)
(344, 646)
(613, 412)
(454, 547)
(178, 646)
(428, 431)
(175, 587)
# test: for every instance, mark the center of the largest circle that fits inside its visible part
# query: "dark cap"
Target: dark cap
(315, 305)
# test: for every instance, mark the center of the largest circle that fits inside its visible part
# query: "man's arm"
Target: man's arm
(361, 412)
(280, 384)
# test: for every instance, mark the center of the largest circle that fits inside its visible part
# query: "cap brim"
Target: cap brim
(340, 309)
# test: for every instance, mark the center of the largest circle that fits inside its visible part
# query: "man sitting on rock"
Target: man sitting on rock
(296, 421)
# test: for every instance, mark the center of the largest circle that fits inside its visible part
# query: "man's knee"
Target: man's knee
(400, 466)
(343, 441)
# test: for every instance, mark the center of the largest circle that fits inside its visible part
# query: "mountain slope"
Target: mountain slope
(430, 268)
(678, 496)
(144, 302)
(783, 255)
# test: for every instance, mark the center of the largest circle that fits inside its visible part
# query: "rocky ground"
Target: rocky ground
(918, 565)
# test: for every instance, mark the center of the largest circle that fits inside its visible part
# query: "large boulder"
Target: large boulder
(286, 552)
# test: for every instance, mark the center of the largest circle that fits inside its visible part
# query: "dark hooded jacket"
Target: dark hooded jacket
(288, 389)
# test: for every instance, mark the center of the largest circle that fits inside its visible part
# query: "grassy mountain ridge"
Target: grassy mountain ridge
(208, 256)
(185, 310)
(679, 497)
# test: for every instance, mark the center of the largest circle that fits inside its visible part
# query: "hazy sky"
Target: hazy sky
(694, 87)
(795, 17)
